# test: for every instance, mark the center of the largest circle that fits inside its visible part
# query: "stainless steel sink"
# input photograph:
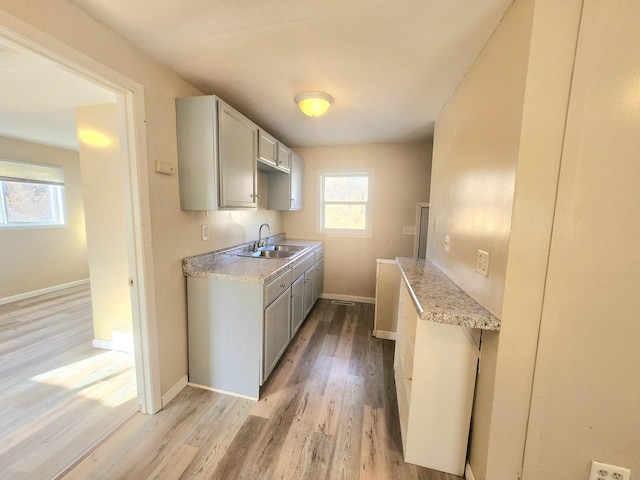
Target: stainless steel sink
(288, 248)
(268, 254)
(274, 251)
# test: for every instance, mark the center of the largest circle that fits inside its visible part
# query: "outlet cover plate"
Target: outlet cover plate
(447, 243)
(602, 471)
(483, 263)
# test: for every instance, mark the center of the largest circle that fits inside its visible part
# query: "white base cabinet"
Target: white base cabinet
(435, 369)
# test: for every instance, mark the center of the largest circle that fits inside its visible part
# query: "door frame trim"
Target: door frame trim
(130, 96)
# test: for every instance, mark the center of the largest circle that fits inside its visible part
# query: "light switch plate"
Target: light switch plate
(204, 231)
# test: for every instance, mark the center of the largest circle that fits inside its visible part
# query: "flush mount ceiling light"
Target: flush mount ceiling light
(314, 104)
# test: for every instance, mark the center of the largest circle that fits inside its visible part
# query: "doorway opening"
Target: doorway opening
(109, 378)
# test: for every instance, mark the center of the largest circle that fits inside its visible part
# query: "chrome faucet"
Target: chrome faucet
(261, 242)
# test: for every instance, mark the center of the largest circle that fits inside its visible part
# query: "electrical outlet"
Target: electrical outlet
(447, 243)
(483, 263)
(602, 471)
(408, 230)
(204, 232)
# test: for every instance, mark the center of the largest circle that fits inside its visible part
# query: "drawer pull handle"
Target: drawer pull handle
(282, 285)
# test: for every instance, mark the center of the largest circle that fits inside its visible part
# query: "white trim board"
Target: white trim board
(226, 392)
(468, 473)
(385, 335)
(43, 291)
(126, 347)
(174, 391)
(348, 298)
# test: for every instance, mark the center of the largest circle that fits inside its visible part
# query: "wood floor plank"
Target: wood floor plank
(59, 396)
(328, 412)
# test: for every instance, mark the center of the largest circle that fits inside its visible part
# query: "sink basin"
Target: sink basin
(268, 254)
(288, 248)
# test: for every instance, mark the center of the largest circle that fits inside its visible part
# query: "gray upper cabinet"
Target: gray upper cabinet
(267, 149)
(285, 192)
(273, 156)
(284, 158)
(217, 151)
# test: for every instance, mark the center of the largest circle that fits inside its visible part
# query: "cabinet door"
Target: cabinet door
(277, 331)
(297, 304)
(267, 148)
(284, 158)
(318, 279)
(238, 152)
(308, 290)
(297, 182)
(286, 191)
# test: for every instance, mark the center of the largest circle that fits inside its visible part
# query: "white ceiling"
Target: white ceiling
(38, 98)
(389, 64)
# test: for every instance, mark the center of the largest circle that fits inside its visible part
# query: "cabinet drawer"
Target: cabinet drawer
(274, 288)
(303, 265)
(319, 252)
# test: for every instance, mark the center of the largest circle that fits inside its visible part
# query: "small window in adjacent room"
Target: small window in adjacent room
(31, 195)
(345, 203)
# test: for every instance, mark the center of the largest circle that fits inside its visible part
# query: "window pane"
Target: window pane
(345, 189)
(345, 217)
(30, 203)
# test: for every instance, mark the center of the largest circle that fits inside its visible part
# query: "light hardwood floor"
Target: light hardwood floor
(327, 412)
(59, 396)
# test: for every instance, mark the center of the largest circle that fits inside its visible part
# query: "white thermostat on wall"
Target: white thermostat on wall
(164, 168)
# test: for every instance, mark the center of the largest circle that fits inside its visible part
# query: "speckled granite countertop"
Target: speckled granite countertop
(438, 299)
(227, 265)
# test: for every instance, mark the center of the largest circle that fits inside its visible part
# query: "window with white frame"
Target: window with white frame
(31, 195)
(345, 202)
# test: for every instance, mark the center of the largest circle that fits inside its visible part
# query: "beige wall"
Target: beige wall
(38, 258)
(586, 395)
(497, 150)
(401, 180)
(103, 184)
(174, 234)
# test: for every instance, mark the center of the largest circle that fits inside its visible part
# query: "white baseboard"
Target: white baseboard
(468, 473)
(226, 392)
(42, 291)
(121, 346)
(385, 335)
(174, 391)
(348, 298)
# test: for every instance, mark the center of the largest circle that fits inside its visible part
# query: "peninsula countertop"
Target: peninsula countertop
(437, 298)
(227, 265)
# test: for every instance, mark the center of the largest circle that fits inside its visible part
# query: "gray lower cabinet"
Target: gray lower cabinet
(277, 330)
(237, 331)
(297, 306)
(318, 274)
(308, 290)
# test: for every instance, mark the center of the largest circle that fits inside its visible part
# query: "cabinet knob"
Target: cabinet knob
(254, 195)
(282, 285)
